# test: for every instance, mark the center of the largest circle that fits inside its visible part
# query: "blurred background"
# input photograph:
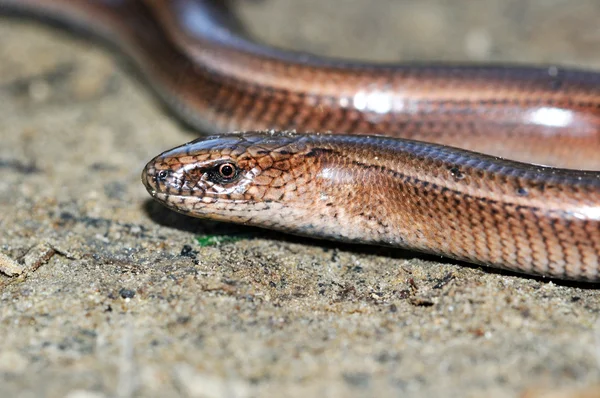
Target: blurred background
(529, 31)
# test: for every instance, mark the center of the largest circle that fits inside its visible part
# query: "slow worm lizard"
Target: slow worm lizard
(414, 188)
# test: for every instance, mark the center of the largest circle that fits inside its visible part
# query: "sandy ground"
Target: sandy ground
(116, 297)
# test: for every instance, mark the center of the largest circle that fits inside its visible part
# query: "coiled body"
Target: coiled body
(372, 190)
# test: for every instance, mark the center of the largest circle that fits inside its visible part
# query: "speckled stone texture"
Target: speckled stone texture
(111, 295)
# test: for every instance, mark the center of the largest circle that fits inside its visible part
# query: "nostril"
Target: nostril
(162, 175)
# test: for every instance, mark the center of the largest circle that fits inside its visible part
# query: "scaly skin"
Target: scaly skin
(386, 191)
(218, 81)
(370, 190)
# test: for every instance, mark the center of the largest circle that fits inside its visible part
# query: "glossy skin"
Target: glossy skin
(218, 81)
(371, 190)
(386, 191)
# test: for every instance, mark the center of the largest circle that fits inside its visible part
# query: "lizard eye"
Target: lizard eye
(227, 170)
(223, 173)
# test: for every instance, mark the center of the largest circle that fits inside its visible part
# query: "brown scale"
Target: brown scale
(373, 190)
(410, 194)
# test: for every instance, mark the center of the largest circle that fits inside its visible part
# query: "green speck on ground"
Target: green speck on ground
(214, 240)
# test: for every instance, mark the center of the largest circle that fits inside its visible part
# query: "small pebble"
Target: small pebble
(9, 267)
(127, 293)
